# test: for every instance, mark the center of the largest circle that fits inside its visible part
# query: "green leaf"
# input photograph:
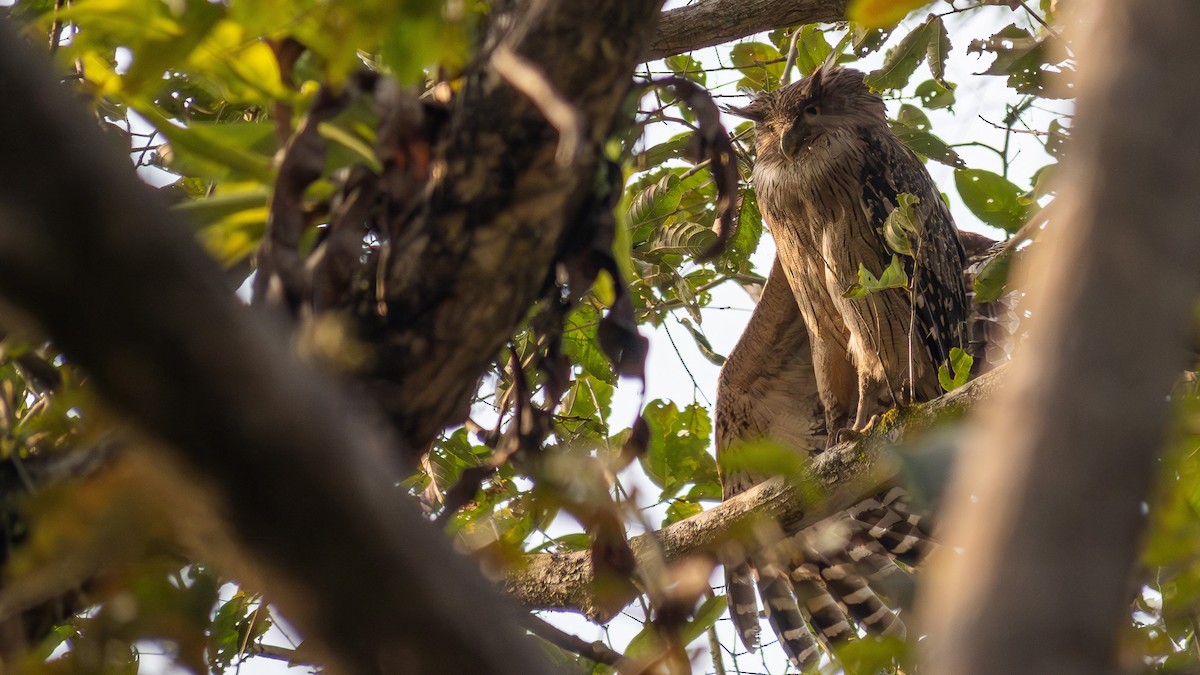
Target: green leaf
(678, 449)
(589, 402)
(935, 95)
(582, 346)
(927, 145)
(57, 636)
(452, 455)
(873, 655)
(913, 117)
(893, 276)
(578, 541)
(1056, 138)
(1037, 65)
(233, 237)
(746, 239)
(811, 49)
(216, 151)
(764, 457)
(707, 491)
(939, 49)
(684, 238)
(1044, 181)
(956, 371)
(1010, 44)
(901, 223)
(359, 148)
(761, 66)
(992, 198)
(685, 65)
(673, 148)
(880, 13)
(653, 205)
(992, 278)
(704, 618)
(867, 39)
(681, 510)
(239, 622)
(703, 344)
(902, 61)
(648, 642)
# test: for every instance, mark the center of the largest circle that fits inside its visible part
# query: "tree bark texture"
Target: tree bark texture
(460, 283)
(1046, 508)
(843, 475)
(89, 254)
(708, 23)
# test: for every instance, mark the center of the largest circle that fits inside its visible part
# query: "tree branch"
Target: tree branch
(89, 253)
(712, 22)
(846, 474)
(461, 280)
(1047, 512)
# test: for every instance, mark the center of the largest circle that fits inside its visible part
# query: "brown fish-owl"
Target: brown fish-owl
(818, 360)
(827, 174)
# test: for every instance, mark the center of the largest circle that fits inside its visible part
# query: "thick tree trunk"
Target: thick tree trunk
(90, 255)
(88, 252)
(460, 282)
(1047, 509)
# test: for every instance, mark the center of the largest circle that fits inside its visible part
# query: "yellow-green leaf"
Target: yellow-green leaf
(881, 13)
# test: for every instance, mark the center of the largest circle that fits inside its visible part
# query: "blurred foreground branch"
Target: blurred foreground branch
(1047, 511)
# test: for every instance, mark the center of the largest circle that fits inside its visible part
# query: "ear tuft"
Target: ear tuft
(817, 80)
(755, 112)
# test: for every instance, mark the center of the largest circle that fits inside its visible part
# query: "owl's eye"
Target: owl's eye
(812, 110)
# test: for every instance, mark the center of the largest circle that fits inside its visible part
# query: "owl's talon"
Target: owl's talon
(846, 436)
(869, 426)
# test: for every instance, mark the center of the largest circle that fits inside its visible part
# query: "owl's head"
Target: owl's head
(791, 118)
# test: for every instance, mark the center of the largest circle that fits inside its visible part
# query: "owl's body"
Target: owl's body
(827, 175)
(814, 362)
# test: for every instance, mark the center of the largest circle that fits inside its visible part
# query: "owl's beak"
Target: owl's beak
(793, 140)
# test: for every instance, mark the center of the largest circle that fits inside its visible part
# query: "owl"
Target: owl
(829, 347)
(828, 172)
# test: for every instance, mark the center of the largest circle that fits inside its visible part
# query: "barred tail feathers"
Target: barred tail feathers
(887, 519)
(786, 620)
(743, 603)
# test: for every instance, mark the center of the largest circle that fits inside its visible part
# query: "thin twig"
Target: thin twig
(278, 653)
(596, 651)
(531, 81)
(683, 362)
(1032, 132)
(57, 27)
(791, 57)
(1037, 17)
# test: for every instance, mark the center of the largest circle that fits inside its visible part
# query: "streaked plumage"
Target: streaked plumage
(813, 362)
(827, 174)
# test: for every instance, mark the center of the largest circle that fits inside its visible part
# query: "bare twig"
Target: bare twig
(791, 56)
(528, 79)
(1011, 129)
(596, 651)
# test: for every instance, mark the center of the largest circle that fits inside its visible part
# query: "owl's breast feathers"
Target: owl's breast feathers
(850, 181)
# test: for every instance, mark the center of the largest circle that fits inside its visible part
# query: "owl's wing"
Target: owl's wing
(993, 328)
(767, 387)
(941, 303)
(768, 390)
